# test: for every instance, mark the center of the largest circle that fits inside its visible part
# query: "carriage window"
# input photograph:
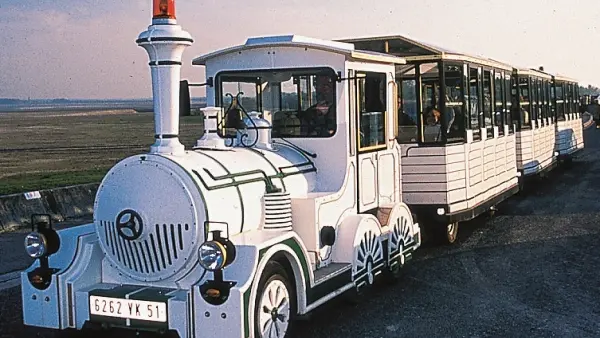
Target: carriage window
(407, 104)
(508, 84)
(525, 111)
(430, 97)
(371, 100)
(299, 102)
(454, 105)
(474, 102)
(499, 102)
(571, 99)
(540, 104)
(560, 102)
(487, 102)
(552, 101)
(533, 92)
(545, 106)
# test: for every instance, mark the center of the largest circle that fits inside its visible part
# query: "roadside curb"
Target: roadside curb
(10, 280)
(60, 203)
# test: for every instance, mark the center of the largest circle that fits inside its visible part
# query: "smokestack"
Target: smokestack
(165, 41)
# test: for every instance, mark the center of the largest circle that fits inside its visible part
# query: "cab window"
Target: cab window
(298, 102)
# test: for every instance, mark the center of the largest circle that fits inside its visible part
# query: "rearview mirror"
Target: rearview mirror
(185, 108)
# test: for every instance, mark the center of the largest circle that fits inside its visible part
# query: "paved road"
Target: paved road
(533, 270)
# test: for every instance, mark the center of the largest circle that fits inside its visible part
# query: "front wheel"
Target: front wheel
(275, 303)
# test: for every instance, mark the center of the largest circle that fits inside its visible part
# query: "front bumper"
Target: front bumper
(65, 303)
(187, 313)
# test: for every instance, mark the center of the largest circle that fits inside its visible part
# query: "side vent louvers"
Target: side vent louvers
(154, 254)
(278, 211)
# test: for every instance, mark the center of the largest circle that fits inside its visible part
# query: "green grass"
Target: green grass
(31, 182)
(33, 154)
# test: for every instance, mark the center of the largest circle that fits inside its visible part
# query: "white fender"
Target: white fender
(402, 228)
(299, 279)
(350, 233)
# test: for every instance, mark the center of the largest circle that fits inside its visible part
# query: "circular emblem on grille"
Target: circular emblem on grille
(129, 225)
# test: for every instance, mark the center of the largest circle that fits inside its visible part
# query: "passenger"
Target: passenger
(433, 117)
(403, 118)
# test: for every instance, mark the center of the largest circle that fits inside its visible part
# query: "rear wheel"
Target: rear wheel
(452, 232)
(275, 307)
(441, 234)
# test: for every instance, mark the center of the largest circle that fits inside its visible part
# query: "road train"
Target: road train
(307, 183)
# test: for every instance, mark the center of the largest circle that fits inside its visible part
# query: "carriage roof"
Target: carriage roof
(534, 72)
(414, 50)
(346, 49)
(564, 78)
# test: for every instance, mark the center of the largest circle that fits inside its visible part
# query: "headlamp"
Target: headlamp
(212, 255)
(36, 245)
(217, 253)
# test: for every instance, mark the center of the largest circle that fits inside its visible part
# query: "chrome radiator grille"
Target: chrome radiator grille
(161, 250)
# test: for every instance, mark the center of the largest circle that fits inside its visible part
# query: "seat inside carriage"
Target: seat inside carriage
(455, 129)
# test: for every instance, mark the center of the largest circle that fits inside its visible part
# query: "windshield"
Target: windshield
(298, 102)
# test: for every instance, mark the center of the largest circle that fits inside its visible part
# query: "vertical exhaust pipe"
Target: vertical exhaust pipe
(165, 41)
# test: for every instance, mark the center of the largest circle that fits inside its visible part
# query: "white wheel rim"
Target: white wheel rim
(450, 228)
(274, 310)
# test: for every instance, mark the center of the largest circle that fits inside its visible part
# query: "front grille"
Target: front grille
(161, 250)
(277, 211)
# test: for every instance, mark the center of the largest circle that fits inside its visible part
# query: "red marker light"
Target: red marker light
(164, 9)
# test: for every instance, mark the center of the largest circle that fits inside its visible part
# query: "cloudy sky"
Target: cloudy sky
(86, 48)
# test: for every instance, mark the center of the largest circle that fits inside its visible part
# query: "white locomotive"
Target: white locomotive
(291, 197)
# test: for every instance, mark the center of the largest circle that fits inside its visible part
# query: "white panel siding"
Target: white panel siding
(460, 176)
(569, 134)
(535, 148)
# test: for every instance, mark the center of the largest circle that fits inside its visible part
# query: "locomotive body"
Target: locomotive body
(274, 212)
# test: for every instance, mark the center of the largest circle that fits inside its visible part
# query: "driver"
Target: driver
(323, 119)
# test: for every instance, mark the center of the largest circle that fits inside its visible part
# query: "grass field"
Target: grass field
(41, 150)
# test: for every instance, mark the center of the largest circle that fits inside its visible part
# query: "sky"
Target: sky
(86, 48)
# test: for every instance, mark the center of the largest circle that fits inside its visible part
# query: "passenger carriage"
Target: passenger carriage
(454, 128)
(569, 126)
(535, 122)
(291, 197)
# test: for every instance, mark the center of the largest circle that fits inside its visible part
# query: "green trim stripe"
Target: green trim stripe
(237, 187)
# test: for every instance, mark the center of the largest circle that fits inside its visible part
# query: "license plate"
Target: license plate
(128, 308)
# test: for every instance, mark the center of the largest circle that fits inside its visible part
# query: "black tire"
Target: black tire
(391, 275)
(441, 234)
(275, 271)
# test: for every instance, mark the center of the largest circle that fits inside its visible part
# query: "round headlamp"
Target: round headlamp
(213, 255)
(36, 245)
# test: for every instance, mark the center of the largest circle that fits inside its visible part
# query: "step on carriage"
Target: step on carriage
(455, 130)
(290, 198)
